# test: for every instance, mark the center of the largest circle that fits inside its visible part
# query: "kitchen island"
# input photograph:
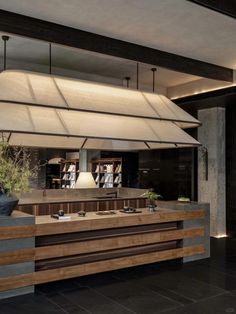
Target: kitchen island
(97, 243)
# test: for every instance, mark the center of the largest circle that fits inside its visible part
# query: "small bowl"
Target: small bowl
(82, 213)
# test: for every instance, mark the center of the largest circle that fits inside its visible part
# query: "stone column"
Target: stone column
(83, 160)
(212, 189)
(9, 244)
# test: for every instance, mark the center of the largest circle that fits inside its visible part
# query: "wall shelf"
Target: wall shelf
(107, 172)
(69, 171)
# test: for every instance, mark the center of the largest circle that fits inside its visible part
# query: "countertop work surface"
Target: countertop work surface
(44, 219)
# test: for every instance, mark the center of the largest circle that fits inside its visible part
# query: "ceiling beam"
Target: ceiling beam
(26, 26)
(227, 7)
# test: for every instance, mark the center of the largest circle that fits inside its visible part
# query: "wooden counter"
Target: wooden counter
(97, 243)
(74, 200)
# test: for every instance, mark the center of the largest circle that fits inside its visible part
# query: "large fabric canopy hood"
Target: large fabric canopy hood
(51, 111)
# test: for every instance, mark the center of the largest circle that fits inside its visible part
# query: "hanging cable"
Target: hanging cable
(127, 78)
(5, 39)
(50, 58)
(153, 78)
(137, 75)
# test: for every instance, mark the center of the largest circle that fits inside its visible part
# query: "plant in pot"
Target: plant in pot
(15, 172)
(152, 197)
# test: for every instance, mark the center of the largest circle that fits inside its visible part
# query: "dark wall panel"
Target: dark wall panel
(231, 169)
(168, 172)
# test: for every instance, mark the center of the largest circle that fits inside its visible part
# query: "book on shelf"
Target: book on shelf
(71, 168)
(108, 178)
(108, 185)
(118, 169)
(72, 185)
(72, 176)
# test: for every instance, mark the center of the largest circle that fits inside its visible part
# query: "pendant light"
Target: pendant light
(65, 111)
(45, 110)
(5, 40)
(50, 58)
(137, 75)
(127, 78)
(153, 78)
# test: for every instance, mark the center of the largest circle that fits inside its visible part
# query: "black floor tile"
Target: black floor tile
(28, 304)
(137, 298)
(57, 286)
(179, 284)
(211, 276)
(217, 305)
(93, 302)
(66, 305)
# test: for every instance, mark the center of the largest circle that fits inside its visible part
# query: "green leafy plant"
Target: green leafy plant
(151, 196)
(15, 169)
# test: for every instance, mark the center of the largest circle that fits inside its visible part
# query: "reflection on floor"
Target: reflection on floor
(204, 287)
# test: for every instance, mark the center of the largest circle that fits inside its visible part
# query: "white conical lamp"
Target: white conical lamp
(85, 181)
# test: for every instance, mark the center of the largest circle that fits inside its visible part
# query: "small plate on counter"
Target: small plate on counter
(130, 210)
(106, 212)
(184, 199)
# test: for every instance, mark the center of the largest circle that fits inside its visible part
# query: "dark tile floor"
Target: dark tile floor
(203, 287)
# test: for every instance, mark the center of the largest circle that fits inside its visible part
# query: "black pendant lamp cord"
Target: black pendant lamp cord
(127, 78)
(137, 75)
(5, 39)
(153, 78)
(50, 58)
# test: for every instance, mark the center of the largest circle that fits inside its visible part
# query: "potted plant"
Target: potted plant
(152, 197)
(14, 176)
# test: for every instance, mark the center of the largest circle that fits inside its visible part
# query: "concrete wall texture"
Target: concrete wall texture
(212, 136)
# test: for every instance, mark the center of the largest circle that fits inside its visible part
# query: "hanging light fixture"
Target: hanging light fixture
(45, 110)
(50, 58)
(127, 78)
(153, 78)
(5, 40)
(85, 180)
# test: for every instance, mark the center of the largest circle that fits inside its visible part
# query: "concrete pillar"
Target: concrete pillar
(212, 137)
(83, 160)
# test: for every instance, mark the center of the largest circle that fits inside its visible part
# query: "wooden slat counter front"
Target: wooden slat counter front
(97, 243)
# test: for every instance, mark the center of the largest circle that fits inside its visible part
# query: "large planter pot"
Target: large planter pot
(7, 204)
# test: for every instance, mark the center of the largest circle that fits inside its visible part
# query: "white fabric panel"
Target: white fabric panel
(83, 124)
(169, 132)
(108, 126)
(98, 97)
(34, 140)
(45, 90)
(165, 146)
(30, 119)
(14, 87)
(52, 91)
(166, 108)
(46, 120)
(114, 145)
(15, 117)
(47, 141)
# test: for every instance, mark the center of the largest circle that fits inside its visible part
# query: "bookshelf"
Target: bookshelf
(107, 172)
(69, 171)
